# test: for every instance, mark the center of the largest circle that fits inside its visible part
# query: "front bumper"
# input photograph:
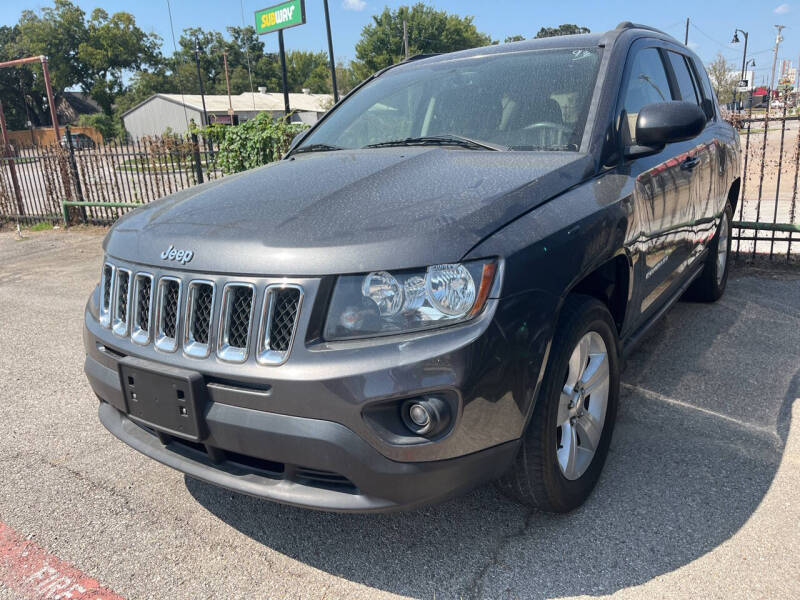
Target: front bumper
(374, 483)
(297, 434)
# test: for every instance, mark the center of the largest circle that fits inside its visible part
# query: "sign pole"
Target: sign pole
(330, 53)
(283, 74)
(289, 13)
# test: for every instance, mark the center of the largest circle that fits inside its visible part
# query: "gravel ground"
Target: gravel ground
(700, 496)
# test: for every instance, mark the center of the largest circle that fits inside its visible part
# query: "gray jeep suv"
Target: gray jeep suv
(434, 288)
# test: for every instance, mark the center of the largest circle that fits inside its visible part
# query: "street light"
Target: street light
(735, 40)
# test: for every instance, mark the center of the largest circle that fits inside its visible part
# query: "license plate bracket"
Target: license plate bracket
(165, 398)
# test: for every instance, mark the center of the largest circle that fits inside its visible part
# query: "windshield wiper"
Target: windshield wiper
(440, 140)
(316, 148)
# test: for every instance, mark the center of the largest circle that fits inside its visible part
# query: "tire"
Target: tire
(541, 475)
(710, 284)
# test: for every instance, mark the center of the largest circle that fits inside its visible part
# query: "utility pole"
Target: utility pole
(228, 85)
(200, 80)
(330, 53)
(778, 40)
(686, 36)
(405, 38)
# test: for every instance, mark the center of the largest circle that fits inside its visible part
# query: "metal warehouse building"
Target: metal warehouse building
(173, 112)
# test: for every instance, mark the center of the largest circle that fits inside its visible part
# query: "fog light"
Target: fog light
(425, 416)
(419, 415)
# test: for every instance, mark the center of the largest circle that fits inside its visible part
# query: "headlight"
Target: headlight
(383, 303)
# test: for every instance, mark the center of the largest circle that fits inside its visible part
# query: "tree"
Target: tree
(308, 70)
(723, 76)
(114, 45)
(429, 31)
(565, 29)
(514, 38)
(94, 54)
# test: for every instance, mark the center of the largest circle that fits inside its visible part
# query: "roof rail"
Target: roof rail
(629, 25)
(421, 56)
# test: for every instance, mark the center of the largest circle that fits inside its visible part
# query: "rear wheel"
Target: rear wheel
(567, 439)
(710, 284)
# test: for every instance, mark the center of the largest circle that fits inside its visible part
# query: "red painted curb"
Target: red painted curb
(36, 574)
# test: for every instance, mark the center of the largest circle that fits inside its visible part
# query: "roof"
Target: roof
(246, 102)
(581, 40)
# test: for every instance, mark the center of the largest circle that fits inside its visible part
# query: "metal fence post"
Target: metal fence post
(73, 167)
(198, 165)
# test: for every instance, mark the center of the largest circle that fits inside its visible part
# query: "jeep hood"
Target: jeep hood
(346, 211)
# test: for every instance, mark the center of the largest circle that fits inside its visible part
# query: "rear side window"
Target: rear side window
(686, 85)
(647, 84)
(708, 93)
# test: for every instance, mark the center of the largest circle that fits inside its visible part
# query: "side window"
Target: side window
(647, 84)
(686, 85)
(708, 93)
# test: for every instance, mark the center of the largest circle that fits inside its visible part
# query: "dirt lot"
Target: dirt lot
(700, 497)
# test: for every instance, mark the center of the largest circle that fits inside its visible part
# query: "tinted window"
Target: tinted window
(647, 84)
(708, 93)
(686, 86)
(529, 100)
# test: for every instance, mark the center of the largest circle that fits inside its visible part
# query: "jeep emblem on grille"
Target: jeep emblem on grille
(182, 256)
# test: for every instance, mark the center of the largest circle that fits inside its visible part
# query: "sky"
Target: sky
(711, 21)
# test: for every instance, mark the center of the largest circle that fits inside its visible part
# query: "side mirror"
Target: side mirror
(663, 123)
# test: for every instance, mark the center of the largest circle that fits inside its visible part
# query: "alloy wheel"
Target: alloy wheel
(582, 406)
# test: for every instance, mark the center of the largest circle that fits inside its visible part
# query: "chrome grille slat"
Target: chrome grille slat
(199, 311)
(142, 308)
(236, 319)
(278, 323)
(169, 295)
(154, 308)
(106, 293)
(122, 300)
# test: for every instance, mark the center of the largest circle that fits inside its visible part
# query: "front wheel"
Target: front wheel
(566, 442)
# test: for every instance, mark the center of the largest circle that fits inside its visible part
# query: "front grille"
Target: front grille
(108, 278)
(169, 294)
(169, 322)
(279, 322)
(143, 303)
(174, 313)
(122, 295)
(142, 308)
(201, 316)
(199, 308)
(237, 317)
(284, 316)
(107, 287)
(121, 300)
(239, 323)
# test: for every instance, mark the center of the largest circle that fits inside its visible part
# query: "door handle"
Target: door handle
(690, 163)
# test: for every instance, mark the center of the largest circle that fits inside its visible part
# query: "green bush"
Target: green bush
(251, 144)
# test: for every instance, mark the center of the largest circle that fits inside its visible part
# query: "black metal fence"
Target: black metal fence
(97, 184)
(766, 221)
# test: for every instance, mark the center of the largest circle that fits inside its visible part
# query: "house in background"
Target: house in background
(173, 112)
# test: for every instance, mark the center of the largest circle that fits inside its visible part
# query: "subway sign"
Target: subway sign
(281, 16)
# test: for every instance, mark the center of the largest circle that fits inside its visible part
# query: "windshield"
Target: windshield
(523, 100)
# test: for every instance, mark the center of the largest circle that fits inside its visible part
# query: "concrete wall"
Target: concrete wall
(155, 116)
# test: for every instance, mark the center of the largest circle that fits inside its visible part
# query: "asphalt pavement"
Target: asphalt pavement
(700, 496)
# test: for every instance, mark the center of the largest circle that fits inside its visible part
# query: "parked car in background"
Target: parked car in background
(433, 289)
(80, 141)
